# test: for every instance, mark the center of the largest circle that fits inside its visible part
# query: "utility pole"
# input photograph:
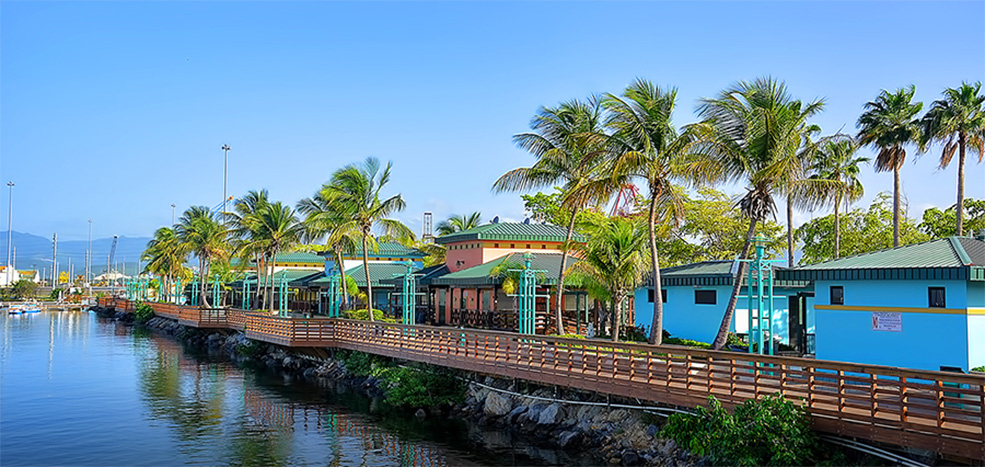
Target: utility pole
(172, 214)
(54, 260)
(10, 244)
(225, 165)
(89, 261)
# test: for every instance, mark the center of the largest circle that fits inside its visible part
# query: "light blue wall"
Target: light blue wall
(685, 319)
(926, 341)
(976, 325)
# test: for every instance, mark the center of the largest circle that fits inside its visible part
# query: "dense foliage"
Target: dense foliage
(940, 224)
(768, 431)
(410, 384)
(24, 289)
(143, 313)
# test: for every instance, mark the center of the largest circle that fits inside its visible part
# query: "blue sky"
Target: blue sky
(115, 110)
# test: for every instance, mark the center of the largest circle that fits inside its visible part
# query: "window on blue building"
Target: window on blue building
(837, 295)
(935, 297)
(705, 297)
(663, 295)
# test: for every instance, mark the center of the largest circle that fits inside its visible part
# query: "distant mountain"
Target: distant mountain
(34, 252)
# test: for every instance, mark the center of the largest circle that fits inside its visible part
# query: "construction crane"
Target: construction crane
(625, 204)
(109, 261)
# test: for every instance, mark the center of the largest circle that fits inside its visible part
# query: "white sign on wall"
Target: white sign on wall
(887, 321)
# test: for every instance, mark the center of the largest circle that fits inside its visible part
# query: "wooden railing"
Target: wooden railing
(943, 412)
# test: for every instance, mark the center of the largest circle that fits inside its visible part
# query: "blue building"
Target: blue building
(695, 296)
(917, 306)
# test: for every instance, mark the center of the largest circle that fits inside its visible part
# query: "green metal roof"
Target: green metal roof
(300, 257)
(954, 258)
(377, 273)
(710, 273)
(424, 276)
(511, 232)
(479, 275)
(384, 250)
(294, 277)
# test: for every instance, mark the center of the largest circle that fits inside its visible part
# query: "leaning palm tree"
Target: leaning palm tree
(836, 163)
(201, 233)
(278, 230)
(889, 124)
(165, 256)
(458, 223)
(325, 220)
(756, 131)
(247, 243)
(615, 258)
(647, 146)
(568, 142)
(958, 121)
(357, 190)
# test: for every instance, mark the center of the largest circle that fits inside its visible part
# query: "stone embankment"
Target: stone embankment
(550, 416)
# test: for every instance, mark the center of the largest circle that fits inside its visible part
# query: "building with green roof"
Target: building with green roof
(916, 306)
(695, 296)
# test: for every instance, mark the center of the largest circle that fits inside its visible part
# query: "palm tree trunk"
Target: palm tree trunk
(896, 206)
(617, 319)
(959, 207)
(369, 286)
(722, 335)
(837, 226)
(560, 277)
(342, 282)
(657, 325)
(256, 301)
(790, 231)
(273, 297)
(205, 280)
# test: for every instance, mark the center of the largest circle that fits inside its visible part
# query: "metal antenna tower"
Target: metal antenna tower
(427, 236)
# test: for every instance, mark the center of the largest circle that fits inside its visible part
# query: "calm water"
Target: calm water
(79, 390)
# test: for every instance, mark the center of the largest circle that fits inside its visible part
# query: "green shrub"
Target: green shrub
(143, 313)
(687, 343)
(364, 364)
(769, 431)
(250, 348)
(980, 369)
(570, 336)
(364, 315)
(422, 385)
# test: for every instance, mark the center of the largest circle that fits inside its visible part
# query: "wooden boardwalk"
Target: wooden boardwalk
(942, 412)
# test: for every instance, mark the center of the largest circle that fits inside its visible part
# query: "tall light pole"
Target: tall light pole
(89, 259)
(172, 214)
(225, 166)
(10, 218)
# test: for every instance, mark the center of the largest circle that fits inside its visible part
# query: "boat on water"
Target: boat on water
(23, 308)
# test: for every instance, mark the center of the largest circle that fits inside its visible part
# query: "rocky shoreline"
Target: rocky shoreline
(554, 417)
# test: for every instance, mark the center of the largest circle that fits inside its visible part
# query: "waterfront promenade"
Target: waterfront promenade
(942, 412)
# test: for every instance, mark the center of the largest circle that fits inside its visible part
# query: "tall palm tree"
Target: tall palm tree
(647, 146)
(202, 234)
(357, 188)
(246, 237)
(835, 162)
(958, 121)
(458, 223)
(756, 130)
(278, 230)
(165, 256)
(325, 220)
(570, 148)
(615, 258)
(889, 123)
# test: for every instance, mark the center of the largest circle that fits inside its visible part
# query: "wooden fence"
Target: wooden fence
(942, 412)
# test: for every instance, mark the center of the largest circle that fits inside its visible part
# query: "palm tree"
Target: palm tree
(165, 256)
(647, 146)
(458, 223)
(357, 189)
(836, 163)
(756, 130)
(278, 230)
(568, 142)
(201, 233)
(889, 124)
(614, 258)
(326, 220)
(958, 121)
(244, 231)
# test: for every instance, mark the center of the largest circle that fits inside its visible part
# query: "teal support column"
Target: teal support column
(195, 292)
(759, 292)
(215, 291)
(282, 308)
(334, 294)
(408, 295)
(527, 298)
(246, 294)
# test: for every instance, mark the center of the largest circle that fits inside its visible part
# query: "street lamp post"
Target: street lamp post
(10, 217)
(89, 260)
(172, 214)
(225, 166)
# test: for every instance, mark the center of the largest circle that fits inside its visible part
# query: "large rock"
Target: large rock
(515, 413)
(496, 405)
(552, 415)
(567, 439)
